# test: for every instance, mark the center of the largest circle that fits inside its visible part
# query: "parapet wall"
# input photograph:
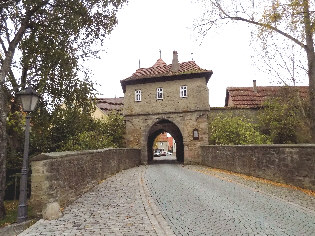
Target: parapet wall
(289, 164)
(63, 176)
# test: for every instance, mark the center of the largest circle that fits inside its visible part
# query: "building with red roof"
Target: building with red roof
(172, 98)
(254, 97)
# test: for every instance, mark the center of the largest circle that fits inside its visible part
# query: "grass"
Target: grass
(11, 210)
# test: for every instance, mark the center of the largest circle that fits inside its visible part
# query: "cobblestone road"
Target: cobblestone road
(118, 206)
(164, 198)
(197, 201)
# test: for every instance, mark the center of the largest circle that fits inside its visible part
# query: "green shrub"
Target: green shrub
(285, 118)
(234, 130)
(87, 140)
(104, 134)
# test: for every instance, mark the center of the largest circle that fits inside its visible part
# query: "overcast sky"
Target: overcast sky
(147, 26)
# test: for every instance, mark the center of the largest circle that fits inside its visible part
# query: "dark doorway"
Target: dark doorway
(165, 126)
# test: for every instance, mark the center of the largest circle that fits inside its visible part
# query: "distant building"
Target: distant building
(164, 143)
(171, 142)
(254, 97)
(161, 142)
(107, 105)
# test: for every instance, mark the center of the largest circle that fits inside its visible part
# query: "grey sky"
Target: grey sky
(146, 26)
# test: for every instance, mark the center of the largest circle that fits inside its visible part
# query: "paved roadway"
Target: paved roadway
(167, 198)
(196, 201)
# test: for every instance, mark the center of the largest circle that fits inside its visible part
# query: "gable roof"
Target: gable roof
(110, 104)
(160, 71)
(247, 97)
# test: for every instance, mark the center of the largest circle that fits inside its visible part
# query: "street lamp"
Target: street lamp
(29, 100)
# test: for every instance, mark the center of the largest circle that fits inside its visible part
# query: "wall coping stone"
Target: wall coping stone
(234, 108)
(292, 164)
(57, 155)
(267, 145)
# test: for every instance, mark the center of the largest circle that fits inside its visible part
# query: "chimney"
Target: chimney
(175, 65)
(254, 86)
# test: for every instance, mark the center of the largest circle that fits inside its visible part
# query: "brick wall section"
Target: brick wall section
(62, 177)
(290, 164)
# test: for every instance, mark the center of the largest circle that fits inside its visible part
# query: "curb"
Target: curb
(15, 229)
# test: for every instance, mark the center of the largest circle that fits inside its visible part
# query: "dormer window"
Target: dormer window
(138, 95)
(159, 93)
(183, 91)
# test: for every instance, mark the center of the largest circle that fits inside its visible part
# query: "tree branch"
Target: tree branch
(17, 39)
(3, 46)
(267, 26)
(13, 81)
(7, 31)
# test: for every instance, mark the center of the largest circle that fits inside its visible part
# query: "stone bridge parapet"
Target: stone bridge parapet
(64, 176)
(289, 164)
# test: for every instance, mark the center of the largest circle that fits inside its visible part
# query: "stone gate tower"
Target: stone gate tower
(167, 98)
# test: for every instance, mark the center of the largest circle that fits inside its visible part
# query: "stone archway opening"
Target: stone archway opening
(160, 127)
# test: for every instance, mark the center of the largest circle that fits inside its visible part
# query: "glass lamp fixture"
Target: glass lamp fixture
(29, 99)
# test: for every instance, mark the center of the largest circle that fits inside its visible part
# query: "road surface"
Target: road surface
(167, 198)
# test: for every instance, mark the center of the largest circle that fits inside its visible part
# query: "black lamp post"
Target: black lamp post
(29, 100)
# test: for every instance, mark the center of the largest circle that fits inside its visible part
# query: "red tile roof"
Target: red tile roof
(163, 71)
(160, 68)
(159, 63)
(110, 104)
(246, 97)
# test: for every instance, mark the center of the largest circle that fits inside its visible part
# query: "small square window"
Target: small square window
(138, 95)
(159, 93)
(183, 91)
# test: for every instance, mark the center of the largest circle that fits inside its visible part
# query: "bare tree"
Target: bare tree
(293, 20)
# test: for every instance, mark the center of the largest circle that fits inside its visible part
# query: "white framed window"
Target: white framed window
(138, 95)
(159, 93)
(183, 91)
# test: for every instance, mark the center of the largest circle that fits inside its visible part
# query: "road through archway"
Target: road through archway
(160, 127)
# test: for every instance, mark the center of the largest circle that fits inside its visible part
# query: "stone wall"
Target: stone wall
(62, 177)
(139, 128)
(248, 113)
(289, 164)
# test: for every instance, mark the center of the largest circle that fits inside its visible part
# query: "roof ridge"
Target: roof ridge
(161, 68)
(159, 63)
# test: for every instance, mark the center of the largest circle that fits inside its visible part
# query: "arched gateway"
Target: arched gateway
(167, 98)
(162, 126)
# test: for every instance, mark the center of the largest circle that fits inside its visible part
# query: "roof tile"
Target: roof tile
(160, 68)
(246, 97)
(110, 104)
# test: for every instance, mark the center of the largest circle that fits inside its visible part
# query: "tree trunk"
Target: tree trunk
(4, 70)
(3, 151)
(311, 76)
(311, 63)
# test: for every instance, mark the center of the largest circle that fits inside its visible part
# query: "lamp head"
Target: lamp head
(29, 99)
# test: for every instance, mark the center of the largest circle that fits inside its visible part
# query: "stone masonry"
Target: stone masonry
(138, 130)
(62, 177)
(289, 164)
(178, 115)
